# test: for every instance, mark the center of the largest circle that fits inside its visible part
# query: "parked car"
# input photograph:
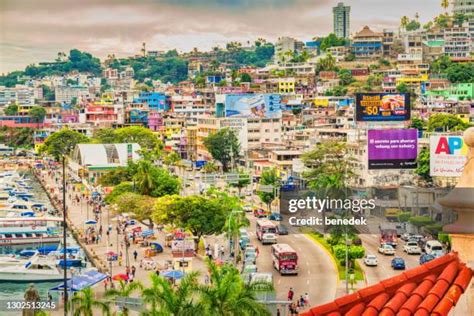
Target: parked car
(275, 217)
(259, 213)
(250, 258)
(411, 247)
(282, 230)
(398, 263)
(386, 249)
(250, 268)
(244, 241)
(247, 209)
(370, 260)
(424, 258)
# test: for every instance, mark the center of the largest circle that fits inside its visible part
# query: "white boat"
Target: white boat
(37, 269)
(29, 230)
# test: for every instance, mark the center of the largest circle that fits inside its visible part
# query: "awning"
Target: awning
(147, 233)
(81, 282)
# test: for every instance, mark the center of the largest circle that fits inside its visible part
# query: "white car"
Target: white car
(370, 260)
(412, 248)
(386, 249)
(269, 238)
(247, 209)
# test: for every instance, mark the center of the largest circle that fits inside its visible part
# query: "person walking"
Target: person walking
(133, 271)
(135, 255)
(290, 294)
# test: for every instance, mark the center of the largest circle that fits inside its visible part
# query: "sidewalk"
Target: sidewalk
(79, 213)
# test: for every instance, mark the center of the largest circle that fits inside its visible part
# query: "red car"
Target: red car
(259, 213)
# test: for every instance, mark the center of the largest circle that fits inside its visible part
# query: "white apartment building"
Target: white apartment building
(457, 42)
(190, 106)
(21, 95)
(65, 94)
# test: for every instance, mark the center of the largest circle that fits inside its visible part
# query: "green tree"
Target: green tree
(84, 304)
(330, 41)
(446, 122)
(445, 5)
(144, 177)
(210, 167)
(423, 164)
(329, 168)
(404, 21)
(118, 191)
(11, 109)
(269, 177)
(327, 63)
(172, 158)
(418, 123)
(459, 73)
(244, 180)
(63, 142)
(441, 64)
(224, 147)
(124, 290)
(402, 88)
(104, 136)
(37, 113)
(138, 134)
(228, 295)
(162, 298)
(115, 177)
(245, 77)
(345, 77)
(442, 21)
(48, 93)
(350, 57)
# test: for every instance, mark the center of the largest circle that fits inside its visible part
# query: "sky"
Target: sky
(33, 30)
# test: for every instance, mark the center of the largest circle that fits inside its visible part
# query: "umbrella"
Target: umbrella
(173, 274)
(111, 253)
(91, 222)
(120, 276)
(156, 246)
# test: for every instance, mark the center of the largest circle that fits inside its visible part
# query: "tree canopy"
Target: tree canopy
(223, 147)
(446, 122)
(63, 142)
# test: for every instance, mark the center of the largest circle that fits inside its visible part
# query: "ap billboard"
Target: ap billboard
(382, 107)
(253, 105)
(392, 148)
(448, 154)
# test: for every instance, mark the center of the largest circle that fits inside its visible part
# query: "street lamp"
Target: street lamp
(64, 234)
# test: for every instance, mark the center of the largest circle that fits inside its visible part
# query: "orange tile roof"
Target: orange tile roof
(430, 289)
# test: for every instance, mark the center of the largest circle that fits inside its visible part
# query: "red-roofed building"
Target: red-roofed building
(433, 288)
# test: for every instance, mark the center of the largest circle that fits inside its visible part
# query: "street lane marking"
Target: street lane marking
(279, 281)
(307, 263)
(307, 282)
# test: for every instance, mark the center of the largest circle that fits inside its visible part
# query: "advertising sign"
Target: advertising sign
(239, 125)
(392, 148)
(253, 105)
(382, 107)
(447, 155)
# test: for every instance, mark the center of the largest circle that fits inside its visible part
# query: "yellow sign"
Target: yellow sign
(321, 102)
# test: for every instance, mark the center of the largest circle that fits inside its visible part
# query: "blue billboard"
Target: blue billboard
(253, 105)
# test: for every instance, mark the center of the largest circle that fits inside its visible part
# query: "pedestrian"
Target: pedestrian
(306, 299)
(135, 255)
(302, 301)
(278, 312)
(290, 294)
(127, 270)
(100, 230)
(50, 297)
(133, 271)
(120, 261)
(157, 271)
(106, 284)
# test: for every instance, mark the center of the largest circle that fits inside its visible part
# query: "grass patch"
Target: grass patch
(341, 270)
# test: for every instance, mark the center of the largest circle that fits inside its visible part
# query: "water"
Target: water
(15, 291)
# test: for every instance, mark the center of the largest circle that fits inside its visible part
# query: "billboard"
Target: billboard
(448, 154)
(380, 107)
(392, 148)
(253, 105)
(239, 125)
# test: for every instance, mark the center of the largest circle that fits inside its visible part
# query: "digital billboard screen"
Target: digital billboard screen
(380, 107)
(392, 148)
(253, 105)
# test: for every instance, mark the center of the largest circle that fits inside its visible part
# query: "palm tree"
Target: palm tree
(417, 16)
(404, 21)
(234, 223)
(228, 295)
(445, 5)
(144, 177)
(83, 303)
(165, 299)
(305, 56)
(124, 290)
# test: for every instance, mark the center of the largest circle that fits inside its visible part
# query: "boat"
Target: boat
(29, 230)
(37, 269)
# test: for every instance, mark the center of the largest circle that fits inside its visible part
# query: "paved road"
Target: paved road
(384, 270)
(315, 268)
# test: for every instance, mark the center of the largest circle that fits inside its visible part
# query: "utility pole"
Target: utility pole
(64, 234)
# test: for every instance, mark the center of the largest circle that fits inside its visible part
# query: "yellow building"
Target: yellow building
(286, 85)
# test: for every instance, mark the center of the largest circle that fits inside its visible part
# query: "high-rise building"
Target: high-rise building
(463, 6)
(342, 26)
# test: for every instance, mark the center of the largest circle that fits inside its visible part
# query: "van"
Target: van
(435, 248)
